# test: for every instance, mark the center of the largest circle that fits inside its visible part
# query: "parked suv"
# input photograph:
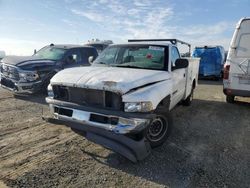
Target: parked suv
(31, 74)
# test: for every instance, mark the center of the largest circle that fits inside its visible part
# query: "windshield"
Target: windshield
(50, 53)
(133, 56)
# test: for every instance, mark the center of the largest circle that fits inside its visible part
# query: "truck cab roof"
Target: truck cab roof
(162, 42)
(241, 20)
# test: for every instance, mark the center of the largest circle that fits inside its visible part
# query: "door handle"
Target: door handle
(184, 75)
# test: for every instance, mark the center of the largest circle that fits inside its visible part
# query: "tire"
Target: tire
(189, 99)
(230, 98)
(159, 129)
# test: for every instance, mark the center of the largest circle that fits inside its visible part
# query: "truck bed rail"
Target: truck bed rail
(173, 41)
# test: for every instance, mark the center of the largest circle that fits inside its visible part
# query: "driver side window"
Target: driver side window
(174, 55)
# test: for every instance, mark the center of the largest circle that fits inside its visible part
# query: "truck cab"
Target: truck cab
(124, 99)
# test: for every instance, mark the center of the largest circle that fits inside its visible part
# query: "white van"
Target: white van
(236, 78)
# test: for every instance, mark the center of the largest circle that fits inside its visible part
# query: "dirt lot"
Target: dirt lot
(209, 147)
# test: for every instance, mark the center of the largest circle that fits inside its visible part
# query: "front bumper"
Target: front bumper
(134, 150)
(114, 121)
(17, 87)
(107, 128)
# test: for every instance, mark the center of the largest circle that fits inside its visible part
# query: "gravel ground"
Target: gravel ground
(209, 147)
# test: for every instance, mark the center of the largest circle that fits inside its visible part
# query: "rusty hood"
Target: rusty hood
(115, 79)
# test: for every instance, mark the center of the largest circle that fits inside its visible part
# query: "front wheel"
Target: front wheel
(159, 129)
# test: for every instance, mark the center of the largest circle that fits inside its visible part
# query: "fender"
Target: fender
(154, 93)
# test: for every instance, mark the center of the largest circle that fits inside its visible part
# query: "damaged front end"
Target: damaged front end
(19, 81)
(100, 116)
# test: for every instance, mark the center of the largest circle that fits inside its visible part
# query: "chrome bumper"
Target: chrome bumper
(120, 126)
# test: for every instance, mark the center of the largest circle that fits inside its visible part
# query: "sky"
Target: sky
(31, 24)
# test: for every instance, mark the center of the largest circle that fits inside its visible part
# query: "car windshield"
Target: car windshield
(133, 56)
(50, 53)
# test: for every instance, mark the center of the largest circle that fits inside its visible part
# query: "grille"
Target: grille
(89, 97)
(10, 72)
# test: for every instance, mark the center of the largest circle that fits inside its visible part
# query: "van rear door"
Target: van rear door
(240, 57)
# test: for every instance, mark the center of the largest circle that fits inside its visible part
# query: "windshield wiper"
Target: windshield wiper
(130, 66)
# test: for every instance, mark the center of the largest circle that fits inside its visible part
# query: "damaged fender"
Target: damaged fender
(154, 93)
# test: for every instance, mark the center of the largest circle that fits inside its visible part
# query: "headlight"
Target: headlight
(50, 91)
(138, 107)
(28, 76)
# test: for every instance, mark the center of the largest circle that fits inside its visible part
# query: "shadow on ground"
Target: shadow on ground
(210, 82)
(204, 149)
(209, 147)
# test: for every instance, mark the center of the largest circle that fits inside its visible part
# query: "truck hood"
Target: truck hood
(119, 80)
(26, 61)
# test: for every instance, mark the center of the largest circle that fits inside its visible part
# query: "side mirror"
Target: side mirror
(34, 51)
(91, 59)
(180, 64)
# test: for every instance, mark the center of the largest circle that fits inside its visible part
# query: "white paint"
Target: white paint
(153, 93)
(114, 79)
(239, 58)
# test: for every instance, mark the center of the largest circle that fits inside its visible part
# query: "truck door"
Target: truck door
(179, 78)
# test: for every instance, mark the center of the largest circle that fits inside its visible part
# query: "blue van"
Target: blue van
(212, 59)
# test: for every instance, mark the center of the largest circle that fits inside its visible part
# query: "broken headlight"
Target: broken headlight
(138, 106)
(29, 76)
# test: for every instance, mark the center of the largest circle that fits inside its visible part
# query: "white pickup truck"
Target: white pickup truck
(123, 101)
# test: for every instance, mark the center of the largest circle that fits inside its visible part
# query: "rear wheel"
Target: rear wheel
(159, 129)
(230, 98)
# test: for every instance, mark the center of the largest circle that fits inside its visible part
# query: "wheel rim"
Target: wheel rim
(157, 129)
